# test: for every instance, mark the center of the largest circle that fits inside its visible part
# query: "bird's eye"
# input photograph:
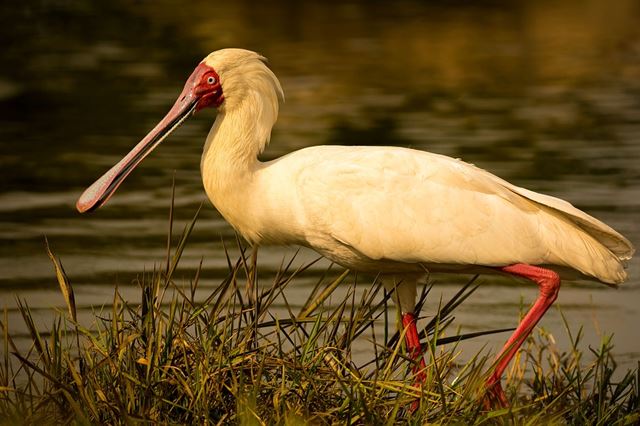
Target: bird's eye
(211, 80)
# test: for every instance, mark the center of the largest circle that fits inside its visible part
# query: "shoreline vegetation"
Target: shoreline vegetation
(227, 360)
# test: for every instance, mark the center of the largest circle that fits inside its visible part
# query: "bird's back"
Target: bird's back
(365, 207)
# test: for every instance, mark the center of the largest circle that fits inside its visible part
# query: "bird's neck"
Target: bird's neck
(230, 158)
(231, 149)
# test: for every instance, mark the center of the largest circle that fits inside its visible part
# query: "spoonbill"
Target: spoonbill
(394, 211)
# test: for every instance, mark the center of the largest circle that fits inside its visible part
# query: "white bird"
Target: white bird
(385, 210)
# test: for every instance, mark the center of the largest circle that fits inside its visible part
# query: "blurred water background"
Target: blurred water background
(543, 93)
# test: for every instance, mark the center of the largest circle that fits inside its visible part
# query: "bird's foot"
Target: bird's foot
(494, 397)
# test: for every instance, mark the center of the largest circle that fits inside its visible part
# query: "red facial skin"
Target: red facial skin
(207, 88)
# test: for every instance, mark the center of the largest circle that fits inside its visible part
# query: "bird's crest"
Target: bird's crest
(246, 79)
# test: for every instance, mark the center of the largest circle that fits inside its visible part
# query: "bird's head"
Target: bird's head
(225, 79)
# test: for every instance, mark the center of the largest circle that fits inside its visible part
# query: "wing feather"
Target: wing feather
(411, 206)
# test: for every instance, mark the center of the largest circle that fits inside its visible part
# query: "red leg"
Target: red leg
(415, 350)
(413, 345)
(549, 284)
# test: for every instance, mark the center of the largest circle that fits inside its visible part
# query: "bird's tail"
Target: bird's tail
(596, 250)
(587, 249)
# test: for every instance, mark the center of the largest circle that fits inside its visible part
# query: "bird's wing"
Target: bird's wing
(412, 206)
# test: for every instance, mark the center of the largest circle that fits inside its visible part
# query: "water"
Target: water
(545, 94)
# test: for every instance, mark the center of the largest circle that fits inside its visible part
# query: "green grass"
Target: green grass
(224, 360)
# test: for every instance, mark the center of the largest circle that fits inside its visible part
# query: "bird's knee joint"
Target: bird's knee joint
(550, 285)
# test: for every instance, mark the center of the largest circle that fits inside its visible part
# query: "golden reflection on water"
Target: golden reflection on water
(454, 45)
